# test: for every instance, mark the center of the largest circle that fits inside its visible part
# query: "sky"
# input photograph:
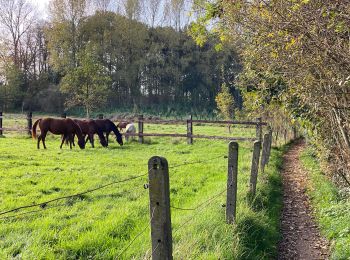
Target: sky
(41, 6)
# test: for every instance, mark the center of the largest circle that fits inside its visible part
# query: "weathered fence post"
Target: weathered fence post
(255, 167)
(159, 195)
(64, 115)
(264, 152)
(1, 123)
(269, 148)
(189, 130)
(259, 128)
(100, 116)
(29, 122)
(140, 129)
(232, 172)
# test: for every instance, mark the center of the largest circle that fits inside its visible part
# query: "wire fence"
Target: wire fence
(45, 205)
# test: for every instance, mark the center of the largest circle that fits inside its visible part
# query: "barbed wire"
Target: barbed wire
(44, 204)
(32, 212)
(200, 207)
(154, 251)
(138, 235)
(195, 162)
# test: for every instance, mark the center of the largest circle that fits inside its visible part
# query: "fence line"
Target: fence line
(160, 217)
(141, 121)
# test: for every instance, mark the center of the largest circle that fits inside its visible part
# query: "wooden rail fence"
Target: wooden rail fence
(141, 121)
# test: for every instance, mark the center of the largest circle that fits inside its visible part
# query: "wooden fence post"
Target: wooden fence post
(264, 152)
(255, 167)
(232, 172)
(140, 129)
(189, 130)
(159, 195)
(64, 115)
(269, 148)
(29, 122)
(1, 123)
(100, 116)
(259, 129)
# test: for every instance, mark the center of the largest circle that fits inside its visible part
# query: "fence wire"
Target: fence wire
(138, 235)
(196, 162)
(44, 204)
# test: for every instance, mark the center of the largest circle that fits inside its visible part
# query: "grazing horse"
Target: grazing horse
(107, 126)
(130, 129)
(66, 127)
(122, 125)
(89, 128)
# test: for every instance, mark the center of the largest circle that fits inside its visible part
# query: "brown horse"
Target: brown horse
(107, 126)
(89, 128)
(122, 125)
(66, 127)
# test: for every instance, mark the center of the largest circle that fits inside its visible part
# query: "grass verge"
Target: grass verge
(332, 209)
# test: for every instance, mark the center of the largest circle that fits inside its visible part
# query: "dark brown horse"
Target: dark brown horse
(89, 128)
(107, 126)
(66, 127)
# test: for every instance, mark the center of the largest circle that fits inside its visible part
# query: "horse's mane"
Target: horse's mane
(114, 128)
(77, 129)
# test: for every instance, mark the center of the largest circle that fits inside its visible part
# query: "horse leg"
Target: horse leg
(39, 139)
(43, 136)
(107, 134)
(91, 137)
(63, 140)
(87, 139)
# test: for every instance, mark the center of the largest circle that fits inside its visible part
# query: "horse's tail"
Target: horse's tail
(34, 128)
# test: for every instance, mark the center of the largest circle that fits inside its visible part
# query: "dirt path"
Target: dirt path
(301, 238)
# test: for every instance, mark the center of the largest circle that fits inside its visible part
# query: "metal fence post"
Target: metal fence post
(259, 128)
(29, 122)
(232, 172)
(159, 195)
(140, 129)
(189, 130)
(255, 167)
(1, 116)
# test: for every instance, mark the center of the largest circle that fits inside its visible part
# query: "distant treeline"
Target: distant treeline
(106, 60)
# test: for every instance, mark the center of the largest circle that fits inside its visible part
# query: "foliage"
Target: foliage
(289, 58)
(87, 84)
(225, 102)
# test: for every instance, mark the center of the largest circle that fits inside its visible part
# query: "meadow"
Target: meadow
(104, 224)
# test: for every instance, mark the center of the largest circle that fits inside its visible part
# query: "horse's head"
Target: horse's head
(119, 139)
(81, 143)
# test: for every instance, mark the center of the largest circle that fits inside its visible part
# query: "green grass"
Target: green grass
(331, 208)
(101, 224)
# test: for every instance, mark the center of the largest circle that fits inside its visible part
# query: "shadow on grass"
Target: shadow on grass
(259, 229)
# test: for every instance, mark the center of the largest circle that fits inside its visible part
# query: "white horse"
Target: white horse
(130, 129)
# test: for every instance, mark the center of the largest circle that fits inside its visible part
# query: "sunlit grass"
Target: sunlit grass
(101, 224)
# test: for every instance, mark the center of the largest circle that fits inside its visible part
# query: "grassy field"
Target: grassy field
(101, 225)
(331, 206)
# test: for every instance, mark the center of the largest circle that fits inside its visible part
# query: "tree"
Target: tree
(87, 84)
(225, 103)
(303, 44)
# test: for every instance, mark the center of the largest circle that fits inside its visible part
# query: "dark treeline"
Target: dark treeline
(106, 60)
